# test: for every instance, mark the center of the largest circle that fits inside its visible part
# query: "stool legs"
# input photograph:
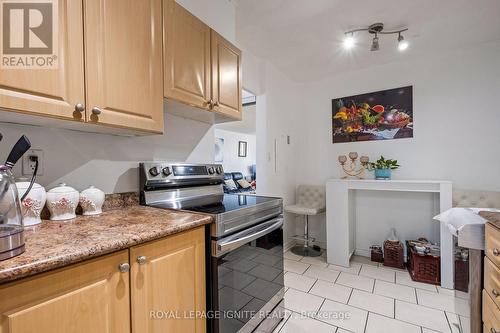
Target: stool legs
(305, 250)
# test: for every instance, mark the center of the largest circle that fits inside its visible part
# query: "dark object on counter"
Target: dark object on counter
(462, 274)
(423, 267)
(376, 253)
(394, 254)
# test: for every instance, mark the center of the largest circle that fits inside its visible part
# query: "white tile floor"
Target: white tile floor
(366, 297)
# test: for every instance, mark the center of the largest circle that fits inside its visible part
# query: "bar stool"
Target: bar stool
(310, 201)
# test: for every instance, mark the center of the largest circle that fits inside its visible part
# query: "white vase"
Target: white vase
(62, 202)
(91, 200)
(32, 205)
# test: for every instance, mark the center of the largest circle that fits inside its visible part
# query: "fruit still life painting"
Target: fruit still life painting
(381, 115)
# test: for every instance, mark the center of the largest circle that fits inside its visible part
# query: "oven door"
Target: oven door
(247, 279)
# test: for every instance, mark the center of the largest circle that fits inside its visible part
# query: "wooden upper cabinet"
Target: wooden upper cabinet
(88, 297)
(168, 276)
(51, 92)
(226, 77)
(186, 52)
(123, 46)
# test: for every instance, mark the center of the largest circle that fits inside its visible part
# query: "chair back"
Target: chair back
(311, 196)
(476, 199)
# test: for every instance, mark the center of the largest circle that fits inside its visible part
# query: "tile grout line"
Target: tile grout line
(366, 322)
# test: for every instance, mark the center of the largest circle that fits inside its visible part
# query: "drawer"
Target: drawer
(491, 314)
(492, 281)
(493, 244)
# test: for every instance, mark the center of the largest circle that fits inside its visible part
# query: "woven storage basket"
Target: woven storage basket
(423, 268)
(376, 253)
(394, 254)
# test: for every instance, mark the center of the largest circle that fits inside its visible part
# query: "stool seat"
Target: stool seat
(302, 210)
(310, 201)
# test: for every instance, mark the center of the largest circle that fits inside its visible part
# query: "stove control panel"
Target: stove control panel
(163, 174)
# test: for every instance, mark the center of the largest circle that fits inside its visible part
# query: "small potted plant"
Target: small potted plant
(383, 167)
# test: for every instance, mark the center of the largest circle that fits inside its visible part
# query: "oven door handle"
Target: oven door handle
(220, 248)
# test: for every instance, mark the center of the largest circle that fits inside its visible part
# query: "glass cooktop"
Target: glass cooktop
(232, 202)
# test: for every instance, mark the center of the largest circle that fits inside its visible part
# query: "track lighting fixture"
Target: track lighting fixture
(376, 29)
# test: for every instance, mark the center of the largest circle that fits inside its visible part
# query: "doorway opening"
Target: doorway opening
(235, 149)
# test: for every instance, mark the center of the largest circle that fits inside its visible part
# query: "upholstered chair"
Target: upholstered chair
(310, 201)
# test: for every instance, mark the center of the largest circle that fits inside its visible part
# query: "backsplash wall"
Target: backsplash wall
(107, 161)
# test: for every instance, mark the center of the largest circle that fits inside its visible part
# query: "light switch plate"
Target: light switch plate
(29, 166)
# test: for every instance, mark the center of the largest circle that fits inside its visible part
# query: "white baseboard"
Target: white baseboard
(288, 245)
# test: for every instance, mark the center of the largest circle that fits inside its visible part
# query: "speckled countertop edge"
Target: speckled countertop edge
(55, 244)
(492, 217)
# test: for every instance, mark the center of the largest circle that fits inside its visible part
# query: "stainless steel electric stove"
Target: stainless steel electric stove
(244, 245)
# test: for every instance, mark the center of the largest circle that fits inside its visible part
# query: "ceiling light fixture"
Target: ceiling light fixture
(349, 41)
(376, 29)
(402, 43)
(375, 46)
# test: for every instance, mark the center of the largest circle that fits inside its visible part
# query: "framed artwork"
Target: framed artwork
(242, 149)
(380, 115)
(219, 150)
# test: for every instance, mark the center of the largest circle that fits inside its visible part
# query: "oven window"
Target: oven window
(250, 279)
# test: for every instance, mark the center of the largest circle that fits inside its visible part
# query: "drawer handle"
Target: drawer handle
(141, 260)
(496, 252)
(495, 292)
(492, 330)
(124, 267)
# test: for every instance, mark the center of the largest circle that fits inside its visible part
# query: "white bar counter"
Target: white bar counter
(340, 224)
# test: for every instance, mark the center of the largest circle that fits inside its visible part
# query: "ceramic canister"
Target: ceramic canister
(91, 200)
(62, 201)
(32, 205)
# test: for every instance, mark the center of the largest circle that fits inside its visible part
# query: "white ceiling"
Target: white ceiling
(303, 37)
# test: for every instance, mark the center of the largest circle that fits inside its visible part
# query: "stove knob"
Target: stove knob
(166, 171)
(154, 171)
(219, 170)
(211, 170)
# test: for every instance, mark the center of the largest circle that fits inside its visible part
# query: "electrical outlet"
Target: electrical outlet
(29, 165)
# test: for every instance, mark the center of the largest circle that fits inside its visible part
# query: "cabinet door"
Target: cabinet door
(124, 83)
(168, 283)
(226, 77)
(89, 297)
(51, 92)
(186, 53)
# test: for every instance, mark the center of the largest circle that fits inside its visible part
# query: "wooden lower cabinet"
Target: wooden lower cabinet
(89, 297)
(168, 284)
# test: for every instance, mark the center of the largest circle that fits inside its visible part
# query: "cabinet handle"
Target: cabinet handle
(96, 110)
(79, 107)
(141, 260)
(492, 330)
(124, 267)
(216, 103)
(495, 293)
(496, 252)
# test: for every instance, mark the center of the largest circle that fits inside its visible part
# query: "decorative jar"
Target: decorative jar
(62, 202)
(91, 201)
(32, 205)
(383, 174)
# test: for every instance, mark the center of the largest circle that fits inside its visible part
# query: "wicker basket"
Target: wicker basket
(376, 253)
(394, 254)
(423, 268)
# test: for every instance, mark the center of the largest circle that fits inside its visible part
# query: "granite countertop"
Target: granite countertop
(492, 217)
(54, 244)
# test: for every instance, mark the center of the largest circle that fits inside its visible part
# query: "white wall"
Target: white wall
(456, 117)
(232, 162)
(220, 15)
